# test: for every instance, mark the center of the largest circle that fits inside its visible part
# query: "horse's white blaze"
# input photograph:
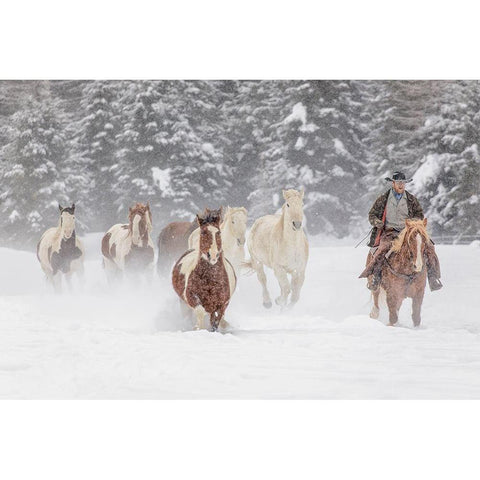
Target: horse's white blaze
(67, 224)
(419, 260)
(136, 230)
(213, 250)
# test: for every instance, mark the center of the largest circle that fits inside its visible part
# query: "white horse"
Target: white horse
(232, 230)
(59, 251)
(128, 247)
(279, 242)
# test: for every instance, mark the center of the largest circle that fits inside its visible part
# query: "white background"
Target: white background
(249, 39)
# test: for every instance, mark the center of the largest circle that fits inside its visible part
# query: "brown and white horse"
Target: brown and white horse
(172, 243)
(60, 251)
(232, 229)
(128, 247)
(404, 273)
(204, 279)
(279, 242)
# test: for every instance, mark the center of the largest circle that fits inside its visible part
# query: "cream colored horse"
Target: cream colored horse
(232, 230)
(279, 242)
(59, 251)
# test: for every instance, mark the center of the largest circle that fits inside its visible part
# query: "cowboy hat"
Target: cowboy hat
(398, 177)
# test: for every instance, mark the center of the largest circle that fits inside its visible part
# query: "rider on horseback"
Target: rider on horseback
(388, 215)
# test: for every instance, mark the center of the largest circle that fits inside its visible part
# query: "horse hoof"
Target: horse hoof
(375, 313)
(267, 304)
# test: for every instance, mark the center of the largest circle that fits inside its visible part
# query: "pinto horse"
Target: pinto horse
(128, 247)
(203, 278)
(279, 242)
(404, 272)
(172, 244)
(59, 251)
(232, 229)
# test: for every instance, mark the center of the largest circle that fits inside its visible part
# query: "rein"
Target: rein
(410, 277)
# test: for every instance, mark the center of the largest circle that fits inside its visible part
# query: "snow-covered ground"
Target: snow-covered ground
(131, 343)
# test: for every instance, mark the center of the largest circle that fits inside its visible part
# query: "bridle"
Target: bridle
(410, 277)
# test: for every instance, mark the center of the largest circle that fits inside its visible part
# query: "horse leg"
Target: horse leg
(282, 278)
(393, 303)
(200, 314)
(375, 312)
(262, 278)
(297, 282)
(216, 317)
(57, 282)
(417, 301)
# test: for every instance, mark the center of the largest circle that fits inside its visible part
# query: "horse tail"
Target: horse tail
(247, 267)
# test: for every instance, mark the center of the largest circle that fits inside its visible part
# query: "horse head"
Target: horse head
(236, 220)
(293, 208)
(140, 223)
(413, 239)
(67, 220)
(210, 239)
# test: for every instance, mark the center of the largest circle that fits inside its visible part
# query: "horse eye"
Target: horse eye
(288, 205)
(233, 222)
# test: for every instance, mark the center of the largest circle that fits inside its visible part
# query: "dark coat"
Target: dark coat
(376, 212)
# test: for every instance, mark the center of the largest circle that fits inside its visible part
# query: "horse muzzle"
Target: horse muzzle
(297, 225)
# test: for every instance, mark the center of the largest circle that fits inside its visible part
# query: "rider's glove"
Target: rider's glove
(378, 223)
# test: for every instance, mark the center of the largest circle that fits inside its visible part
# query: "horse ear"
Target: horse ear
(60, 207)
(408, 222)
(302, 193)
(284, 193)
(425, 222)
(199, 219)
(73, 206)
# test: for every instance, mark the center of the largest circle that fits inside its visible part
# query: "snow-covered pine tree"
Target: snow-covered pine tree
(32, 181)
(91, 165)
(322, 151)
(447, 174)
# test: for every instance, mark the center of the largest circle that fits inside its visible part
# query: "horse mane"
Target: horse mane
(210, 217)
(230, 211)
(411, 228)
(140, 209)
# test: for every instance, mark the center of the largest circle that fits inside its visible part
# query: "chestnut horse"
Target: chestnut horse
(404, 272)
(60, 251)
(204, 279)
(129, 247)
(232, 229)
(172, 244)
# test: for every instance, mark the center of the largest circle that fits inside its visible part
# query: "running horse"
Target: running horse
(203, 278)
(279, 242)
(404, 273)
(172, 244)
(128, 248)
(59, 251)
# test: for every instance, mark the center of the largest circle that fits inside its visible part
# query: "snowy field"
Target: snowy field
(131, 343)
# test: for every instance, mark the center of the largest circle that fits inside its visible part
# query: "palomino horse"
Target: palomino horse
(128, 247)
(204, 279)
(404, 273)
(60, 251)
(279, 242)
(232, 229)
(172, 244)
